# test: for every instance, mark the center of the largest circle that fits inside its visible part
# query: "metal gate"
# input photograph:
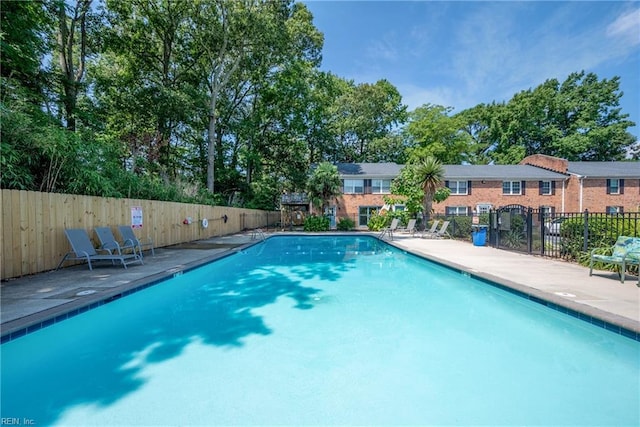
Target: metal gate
(516, 228)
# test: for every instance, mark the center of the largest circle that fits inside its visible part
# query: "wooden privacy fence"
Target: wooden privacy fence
(33, 223)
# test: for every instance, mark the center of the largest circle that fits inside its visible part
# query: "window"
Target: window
(547, 211)
(353, 186)
(511, 187)
(458, 187)
(613, 186)
(364, 214)
(380, 186)
(614, 210)
(483, 208)
(457, 210)
(545, 188)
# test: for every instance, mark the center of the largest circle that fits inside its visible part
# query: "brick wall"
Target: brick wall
(596, 199)
(547, 162)
(349, 205)
(490, 192)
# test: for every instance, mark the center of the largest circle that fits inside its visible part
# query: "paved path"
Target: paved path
(30, 300)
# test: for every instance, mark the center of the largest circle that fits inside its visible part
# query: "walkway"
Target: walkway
(30, 301)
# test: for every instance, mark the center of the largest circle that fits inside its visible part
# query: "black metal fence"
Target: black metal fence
(564, 235)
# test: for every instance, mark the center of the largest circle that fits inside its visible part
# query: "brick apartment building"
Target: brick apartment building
(548, 183)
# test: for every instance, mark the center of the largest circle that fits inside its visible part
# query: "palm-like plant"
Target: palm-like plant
(429, 173)
(324, 184)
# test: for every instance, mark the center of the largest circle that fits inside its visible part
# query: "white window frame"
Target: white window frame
(508, 188)
(457, 210)
(380, 186)
(614, 210)
(612, 187)
(547, 188)
(367, 214)
(483, 208)
(459, 188)
(351, 186)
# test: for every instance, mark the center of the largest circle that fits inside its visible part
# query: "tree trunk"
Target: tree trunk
(71, 76)
(211, 154)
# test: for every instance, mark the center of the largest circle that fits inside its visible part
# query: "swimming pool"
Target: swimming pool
(322, 330)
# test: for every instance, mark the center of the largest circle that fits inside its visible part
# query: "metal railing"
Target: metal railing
(562, 235)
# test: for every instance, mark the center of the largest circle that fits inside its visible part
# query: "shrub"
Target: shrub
(346, 224)
(461, 227)
(378, 222)
(316, 223)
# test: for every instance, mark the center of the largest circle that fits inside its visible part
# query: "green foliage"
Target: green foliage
(421, 184)
(578, 119)
(346, 224)
(378, 222)
(460, 227)
(602, 231)
(512, 239)
(323, 184)
(403, 217)
(429, 174)
(434, 133)
(365, 116)
(316, 223)
(179, 89)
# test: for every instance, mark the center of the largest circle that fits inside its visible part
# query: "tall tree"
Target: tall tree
(72, 53)
(324, 183)
(365, 113)
(420, 183)
(435, 133)
(243, 32)
(429, 173)
(578, 119)
(146, 82)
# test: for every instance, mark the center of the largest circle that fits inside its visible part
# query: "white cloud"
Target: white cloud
(414, 96)
(626, 27)
(384, 49)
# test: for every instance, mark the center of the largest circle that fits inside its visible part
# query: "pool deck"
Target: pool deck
(34, 301)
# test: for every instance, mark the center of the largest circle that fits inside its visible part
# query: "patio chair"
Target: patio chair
(411, 227)
(625, 252)
(83, 250)
(108, 241)
(438, 234)
(390, 229)
(433, 228)
(130, 238)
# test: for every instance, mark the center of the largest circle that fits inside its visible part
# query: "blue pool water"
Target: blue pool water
(322, 330)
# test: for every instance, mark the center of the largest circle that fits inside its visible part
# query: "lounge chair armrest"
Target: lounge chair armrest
(602, 251)
(111, 246)
(109, 251)
(129, 242)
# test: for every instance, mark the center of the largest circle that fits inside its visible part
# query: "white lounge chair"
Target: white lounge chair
(442, 232)
(433, 228)
(83, 250)
(411, 227)
(390, 229)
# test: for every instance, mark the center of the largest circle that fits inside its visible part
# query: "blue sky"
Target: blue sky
(460, 54)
